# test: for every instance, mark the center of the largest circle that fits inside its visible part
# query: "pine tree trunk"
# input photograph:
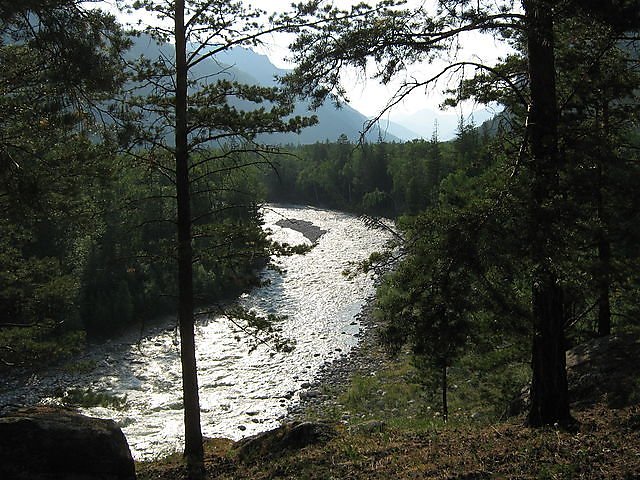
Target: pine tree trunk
(445, 403)
(604, 306)
(549, 391)
(604, 247)
(193, 450)
(549, 395)
(604, 265)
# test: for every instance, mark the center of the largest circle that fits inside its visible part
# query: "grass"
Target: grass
(414, 443)
(606, 446)
(404, 397)
(393, 396)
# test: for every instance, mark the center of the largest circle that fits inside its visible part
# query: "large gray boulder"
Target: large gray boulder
(605, 370)
(45, 443)
(290, 436)
(601, 370)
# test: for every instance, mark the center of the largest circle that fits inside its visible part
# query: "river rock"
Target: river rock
(308, 229)
(45, 443)
(290, 436)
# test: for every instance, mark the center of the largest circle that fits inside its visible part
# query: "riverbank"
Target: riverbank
(606, 443)
(322, 398)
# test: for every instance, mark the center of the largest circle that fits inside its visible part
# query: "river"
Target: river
(242, 392)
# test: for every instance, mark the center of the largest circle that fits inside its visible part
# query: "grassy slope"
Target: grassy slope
(607, 446)
(415, 443)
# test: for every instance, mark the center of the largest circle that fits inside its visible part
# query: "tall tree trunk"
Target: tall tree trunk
(604, 305)
(445, 402)
(193, 450)
(603, 281)
(604, 246)
(549, 395)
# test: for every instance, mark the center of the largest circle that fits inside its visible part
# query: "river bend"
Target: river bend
(241, 392)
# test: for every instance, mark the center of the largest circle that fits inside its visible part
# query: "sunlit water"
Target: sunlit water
(241, 392)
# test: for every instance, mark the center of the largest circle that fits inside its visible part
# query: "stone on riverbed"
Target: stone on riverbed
(45, 443)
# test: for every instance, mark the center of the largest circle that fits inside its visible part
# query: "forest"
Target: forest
(131, 187)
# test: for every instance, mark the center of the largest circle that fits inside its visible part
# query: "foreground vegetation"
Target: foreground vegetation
(393, 429)
(605, 446)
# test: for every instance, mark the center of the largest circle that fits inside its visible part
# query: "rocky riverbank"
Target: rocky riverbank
(333, 378)
(365, 359)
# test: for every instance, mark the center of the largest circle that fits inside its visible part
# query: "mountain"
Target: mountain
(396, 129)
(246, 66)
(423, 121)
(333, 121)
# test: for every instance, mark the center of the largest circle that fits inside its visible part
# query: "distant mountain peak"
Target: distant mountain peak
(244, 65)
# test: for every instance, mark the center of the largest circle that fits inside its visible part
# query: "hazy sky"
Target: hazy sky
(364, 94)
(368, 96)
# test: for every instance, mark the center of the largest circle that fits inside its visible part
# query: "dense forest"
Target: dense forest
(87, 206)
(376, 179)
(130, 189)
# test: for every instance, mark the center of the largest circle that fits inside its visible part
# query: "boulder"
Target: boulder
(309, 230)
(605, 369)
(290, 436)
(45, 443)
(600, 370)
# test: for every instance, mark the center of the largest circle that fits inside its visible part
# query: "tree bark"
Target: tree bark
(549, 392)
(193, 449)
(604, 246)
(604, 305)
(445, 403)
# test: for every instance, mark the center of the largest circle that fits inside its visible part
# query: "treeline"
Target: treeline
(378, 179)
(87, 214)
(129, 274)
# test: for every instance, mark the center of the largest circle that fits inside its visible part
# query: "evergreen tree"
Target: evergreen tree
(596, 85)
(395, 37)
(60, 62)
(434, 166)
(599, 118)
(192, 114)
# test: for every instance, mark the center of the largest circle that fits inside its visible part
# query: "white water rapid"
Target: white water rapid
(241, 393)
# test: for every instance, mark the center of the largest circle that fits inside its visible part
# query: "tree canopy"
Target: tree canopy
(389, 37)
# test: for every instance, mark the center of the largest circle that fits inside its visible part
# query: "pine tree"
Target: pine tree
(395, 37)
(195, 136)
(60, 62)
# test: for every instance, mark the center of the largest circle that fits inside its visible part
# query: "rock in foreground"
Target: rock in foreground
(604, 369)
(291, 436)
(44, 443)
